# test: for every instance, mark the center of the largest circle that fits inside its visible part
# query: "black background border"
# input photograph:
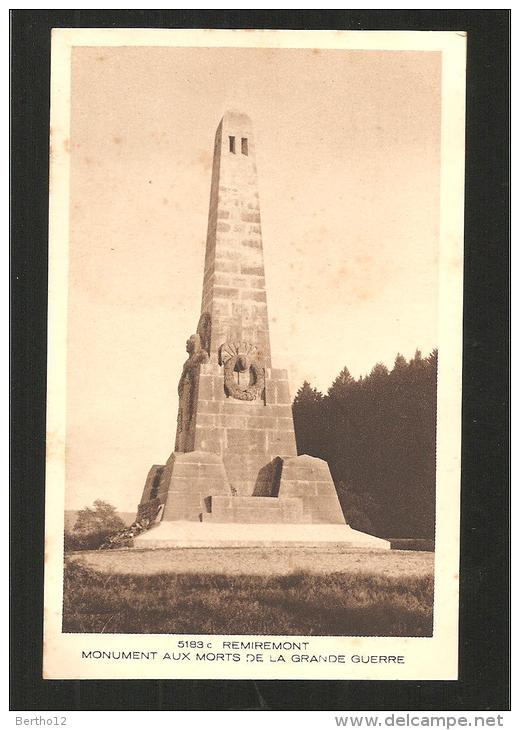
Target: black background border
(485, 574)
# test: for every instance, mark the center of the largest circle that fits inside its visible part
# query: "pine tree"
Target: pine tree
(310, 422)
(400, 363)
(307, 395)
(342, 385)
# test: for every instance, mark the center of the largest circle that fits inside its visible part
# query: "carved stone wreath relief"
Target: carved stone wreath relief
(244, 372)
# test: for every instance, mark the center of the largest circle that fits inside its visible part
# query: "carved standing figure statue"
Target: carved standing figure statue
(197, 356)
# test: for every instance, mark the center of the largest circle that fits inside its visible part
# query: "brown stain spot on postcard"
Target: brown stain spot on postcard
(363, 294)
(47, 550)
(55, 446)
(341, 273)
(456, 263)
(205, 159)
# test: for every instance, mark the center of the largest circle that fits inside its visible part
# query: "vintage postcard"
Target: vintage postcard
(254, 359)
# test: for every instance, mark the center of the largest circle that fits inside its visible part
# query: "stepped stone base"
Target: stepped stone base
(308, 479)
(203, 534)
(254, 510)
(183, 485)
(195, 486)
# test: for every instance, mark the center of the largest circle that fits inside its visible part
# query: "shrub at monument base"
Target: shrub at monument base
(92, 526)
(299, 603)
(85, 540)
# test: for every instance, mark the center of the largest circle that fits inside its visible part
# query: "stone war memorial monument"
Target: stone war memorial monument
(234, 477)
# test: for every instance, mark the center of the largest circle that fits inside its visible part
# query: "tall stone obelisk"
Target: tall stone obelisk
(237, 411)
(235, 459)
(234, 285)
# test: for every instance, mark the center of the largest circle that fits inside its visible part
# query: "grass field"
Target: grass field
(371, 595)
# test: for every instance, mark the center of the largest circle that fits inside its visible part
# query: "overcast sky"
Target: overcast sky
(348, 163)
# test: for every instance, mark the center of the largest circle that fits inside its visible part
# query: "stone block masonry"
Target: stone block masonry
(234, 280)
(255, 510)
(247, 434)
(186, 482)
(309, 479)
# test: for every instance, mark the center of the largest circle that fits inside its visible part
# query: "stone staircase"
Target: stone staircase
(254, 510)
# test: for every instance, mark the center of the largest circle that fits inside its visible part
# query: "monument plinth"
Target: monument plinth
(235, 474)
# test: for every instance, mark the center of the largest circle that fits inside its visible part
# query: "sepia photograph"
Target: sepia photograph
(255, 322)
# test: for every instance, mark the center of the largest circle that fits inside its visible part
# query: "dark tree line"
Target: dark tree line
(378, 435)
